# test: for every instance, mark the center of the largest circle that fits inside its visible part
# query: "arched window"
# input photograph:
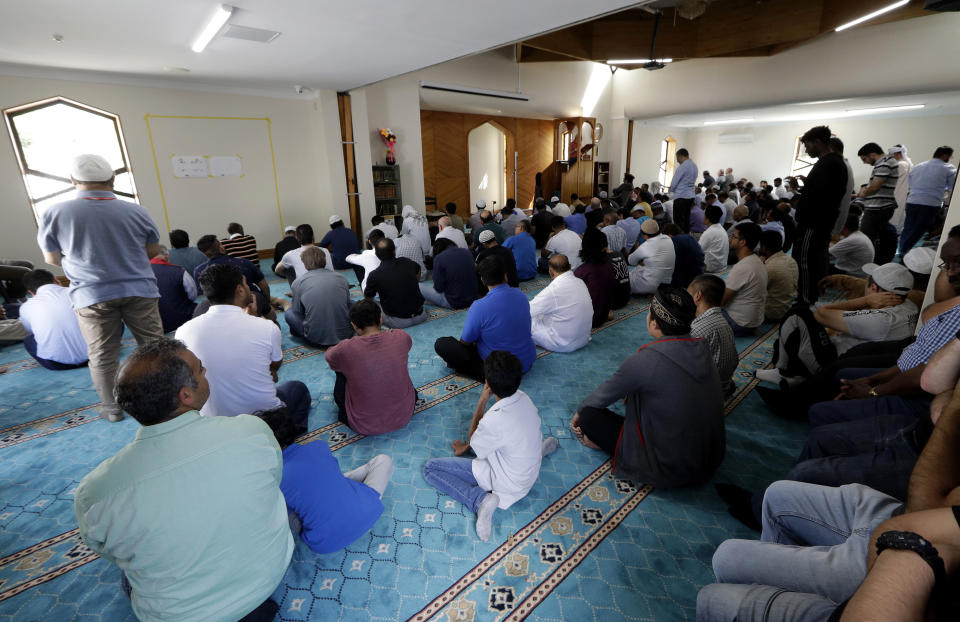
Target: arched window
(48, 134)
(668, 162)
(802, 163)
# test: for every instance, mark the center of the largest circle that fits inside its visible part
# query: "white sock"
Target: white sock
(485, 515)
(549, 446)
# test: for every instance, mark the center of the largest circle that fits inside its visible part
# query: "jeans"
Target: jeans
(837, 411)
(723, 602)
(454, 477)
(463, 358)
(30, 344)
(102, 327)
(917, 221)
(433, 296)
(873, 222)
(738, 331)
(404, 322)
(296, 396)
(810, 252)
(815, 541)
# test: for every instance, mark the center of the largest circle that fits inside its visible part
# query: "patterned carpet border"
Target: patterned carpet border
(29, 568)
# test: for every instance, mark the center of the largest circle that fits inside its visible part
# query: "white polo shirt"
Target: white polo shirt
(454, 235)
(566, 242)
(237, 350)
(368, 261)
(49, 316)
(388, 230)
(562, 314)
(507, 443)
(716, 248)
(292, 259)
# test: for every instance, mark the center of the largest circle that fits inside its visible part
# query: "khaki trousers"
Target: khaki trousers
(12, 330)
(102, 328)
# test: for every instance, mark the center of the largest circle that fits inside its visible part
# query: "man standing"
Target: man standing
(321, 301)
(684, 188)
(396, 281)
(656, 258)
(104, 246)
(879, 199)
(219, 546)
(55, 340)
(904, 166)
(562, 314)
(240, 352)
(817, 211)
(240, 245)
(930, 184)
(340, 241)
(746, 295)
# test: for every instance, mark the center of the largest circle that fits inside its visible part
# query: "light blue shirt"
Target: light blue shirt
(684, 182)
(103, 241)
(930, 181)
(192, 512)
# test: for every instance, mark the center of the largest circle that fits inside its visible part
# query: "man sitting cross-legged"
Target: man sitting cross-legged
(242, 353)
(321, 301)
(396, 282)
(507, 442)
(55, 340)
(673, 432)
(746, 295)
(191, 510)
(373, 392)
(562, 314)
(498, 321)
(210, 246)
(454, 276)
(656, 258)
(328, 508)
(707, 293)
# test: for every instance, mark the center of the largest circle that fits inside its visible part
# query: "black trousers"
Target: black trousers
(463, 358)
(810, 252)
(340, 398)
(602, 426)
(360, 272)
(681, 213)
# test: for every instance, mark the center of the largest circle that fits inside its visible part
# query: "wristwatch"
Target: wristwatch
(873, 392)
(909, 541)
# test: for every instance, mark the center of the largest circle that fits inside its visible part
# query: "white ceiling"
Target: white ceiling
(324, 44)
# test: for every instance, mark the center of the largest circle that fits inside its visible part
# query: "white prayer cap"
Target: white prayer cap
(481, 204)
(920, 260)
(91, 168)
(335, 219)
(485, 236)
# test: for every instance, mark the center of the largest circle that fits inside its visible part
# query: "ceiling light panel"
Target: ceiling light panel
(869, 16)
(217, 20)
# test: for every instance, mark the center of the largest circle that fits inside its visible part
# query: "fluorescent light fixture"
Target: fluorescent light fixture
(822, 101)
(216, 22)
(856, 111)
(599, 77)
(729, 121)
(638, 61)
(869, 16)
(469, 90)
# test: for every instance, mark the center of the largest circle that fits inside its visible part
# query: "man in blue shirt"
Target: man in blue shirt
(454, 276)
(930, 181)
(210, 246)
(577, 221)
(524, 249)
(689, 263)
(498, 321)
(340, 241)
(683, 185)
(104, 246)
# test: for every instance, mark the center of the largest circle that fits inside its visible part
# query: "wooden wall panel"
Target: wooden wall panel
(445, 160)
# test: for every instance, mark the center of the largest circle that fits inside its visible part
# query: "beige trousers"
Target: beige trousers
(102, 328)
(12, 330)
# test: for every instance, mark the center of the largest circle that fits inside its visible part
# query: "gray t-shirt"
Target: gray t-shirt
(748, 278)
(889, 324)
(322, 297)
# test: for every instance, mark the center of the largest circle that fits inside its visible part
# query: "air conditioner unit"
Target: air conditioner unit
(728, 138)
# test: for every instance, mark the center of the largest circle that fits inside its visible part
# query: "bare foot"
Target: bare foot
(609, 316)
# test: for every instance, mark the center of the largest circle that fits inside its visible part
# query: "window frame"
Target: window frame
(667, 163)
(800, 157)
(10, 115)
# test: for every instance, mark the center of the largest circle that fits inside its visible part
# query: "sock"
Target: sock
(485, 515)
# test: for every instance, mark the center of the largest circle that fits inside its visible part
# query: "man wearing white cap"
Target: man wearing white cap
(655, 259)
(904, 165)
(104, 245)
(340, 241)
(475, 221)
(560, 208)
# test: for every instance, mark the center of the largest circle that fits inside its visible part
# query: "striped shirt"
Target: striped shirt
(711, 326)
(242, 246)
(408, 246)
(886, 169)
(934, 334)
(616, 238)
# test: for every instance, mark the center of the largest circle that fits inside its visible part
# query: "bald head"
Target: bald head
(595, 203)
(486, 215)
(445, 222)
(558, 265)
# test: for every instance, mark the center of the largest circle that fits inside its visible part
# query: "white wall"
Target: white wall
(485, 150)
(645, 153)
(305, 140)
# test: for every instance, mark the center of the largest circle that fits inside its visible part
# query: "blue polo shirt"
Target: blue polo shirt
(343, 242)
(576, 223)
(455, 276)
(103, 242)
(501, 321)
(524, 249)
(249, 269)
(333, 509)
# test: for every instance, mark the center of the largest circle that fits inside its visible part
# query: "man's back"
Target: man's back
(50, 318)
(498, 231)
(576, 222)
(395, 281)
(343, 242)
(242, 247)
(454, 235)
(188, 258)
(509, 262)
(455, 276)
(688, 261)
(782, 277)
(715, 330)
(176, 303)
(524, 249)
(567, 243)
(238, 369)
(324, 299)
(209, 538)
(748, 278)
(541, 222)
(103, 243)
(501, 321)
(282, 247)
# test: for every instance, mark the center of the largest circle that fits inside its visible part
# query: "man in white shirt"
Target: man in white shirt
(746, 295)
(55, 340)
(507, 442)
(729, 204)
(386, 227)
(241, 353)
(655, 259)
(291, 261)
(714, 241)
(562, 242)
(853, 251)
(448, 231)
(367, 261)
(779, 190)
(562, 314)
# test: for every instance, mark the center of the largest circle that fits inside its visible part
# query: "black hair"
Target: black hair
(365, 313)
(488, 218)
(750, 233)
(451, 208)
(683, 152)
(305, 234)
(580, 209)
(557, 222)
(853, 222)
(385, 249)
(492, 271)
(235, 227)
(376, 220)
(836, 144)
(671, 229)
(820, 132)
(374, 235)
(149, 381)
(540, 203)
(771, 241)
(503, 372)
(870, 148)
(711, 287)
(179, 238)
(206, 242)
(336, 225)
(35, 279)
(714, 213)
(441, 244)
(219, 282)
(525, 225)
(280, 423)
(943, 151)
(591, 248)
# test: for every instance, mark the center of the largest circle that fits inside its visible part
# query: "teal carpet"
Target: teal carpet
(581, 546)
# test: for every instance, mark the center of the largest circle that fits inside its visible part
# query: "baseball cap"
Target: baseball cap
(485, 236)
(289, 228)
(920, 260)
(891, 277)
(481, 204)
(335, 218)
(89, 167)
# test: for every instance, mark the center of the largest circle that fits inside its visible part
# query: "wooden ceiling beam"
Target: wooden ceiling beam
(737, 25)
(531, 54)
(574, 41)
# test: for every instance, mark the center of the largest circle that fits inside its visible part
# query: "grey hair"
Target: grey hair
(149, 381)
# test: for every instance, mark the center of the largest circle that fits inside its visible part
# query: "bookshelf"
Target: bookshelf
(601, 179)
(386, 190)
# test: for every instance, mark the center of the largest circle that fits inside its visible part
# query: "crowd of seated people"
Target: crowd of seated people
(880, 402)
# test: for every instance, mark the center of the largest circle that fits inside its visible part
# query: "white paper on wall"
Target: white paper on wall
(186, 166)
(225, 166)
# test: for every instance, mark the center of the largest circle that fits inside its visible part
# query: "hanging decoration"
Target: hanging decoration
(390, 140)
